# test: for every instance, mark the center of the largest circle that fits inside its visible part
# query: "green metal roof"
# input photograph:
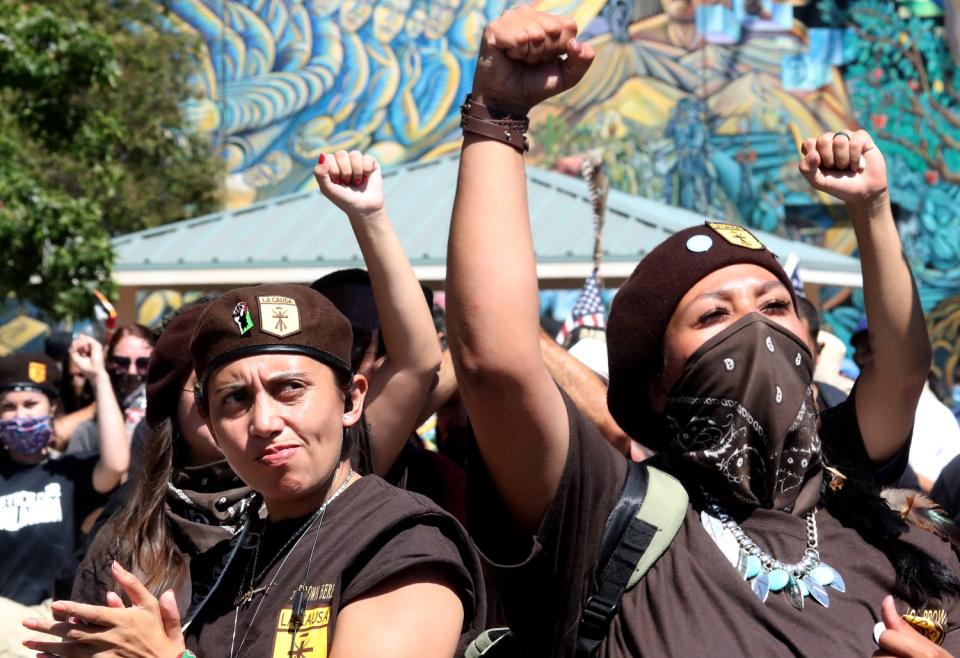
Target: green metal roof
(301, 236)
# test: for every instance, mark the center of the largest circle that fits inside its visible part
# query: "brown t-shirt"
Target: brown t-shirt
(692, 602)
(369, 534)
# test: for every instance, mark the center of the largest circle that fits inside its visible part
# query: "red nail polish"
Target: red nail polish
(320, 161)
(334, 179)
(357, 180)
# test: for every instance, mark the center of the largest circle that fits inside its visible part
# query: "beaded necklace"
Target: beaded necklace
(808, 577)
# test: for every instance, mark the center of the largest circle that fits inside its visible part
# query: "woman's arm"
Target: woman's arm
(114, 460)
(401, 384)
(441, 392)
(414, 615)
(518, 415)
(890, 385)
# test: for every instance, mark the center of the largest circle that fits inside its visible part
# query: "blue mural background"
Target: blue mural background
(698, 103)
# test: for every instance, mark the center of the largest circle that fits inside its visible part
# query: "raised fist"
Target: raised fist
(526, 57)
(848, 166)
(352, 181)
(87, 354)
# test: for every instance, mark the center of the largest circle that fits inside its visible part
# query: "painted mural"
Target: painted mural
(697, 103)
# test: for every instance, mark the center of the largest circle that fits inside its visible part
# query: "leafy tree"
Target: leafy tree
(92, 142)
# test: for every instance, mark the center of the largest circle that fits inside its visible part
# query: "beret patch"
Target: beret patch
(278, 319)
(37, 372)
(738, 236)
(279, 316)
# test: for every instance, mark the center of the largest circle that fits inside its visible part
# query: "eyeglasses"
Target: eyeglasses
(121, 364)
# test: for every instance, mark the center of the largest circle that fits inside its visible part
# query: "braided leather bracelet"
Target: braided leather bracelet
(477, 118)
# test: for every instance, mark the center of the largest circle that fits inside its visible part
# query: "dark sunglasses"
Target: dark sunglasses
(122, 364)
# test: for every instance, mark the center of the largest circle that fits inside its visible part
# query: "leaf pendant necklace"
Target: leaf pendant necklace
(765, 574)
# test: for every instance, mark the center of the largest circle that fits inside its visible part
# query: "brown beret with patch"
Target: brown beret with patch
(30, 371)
(271, 319)
(644, 305)
(170, 365)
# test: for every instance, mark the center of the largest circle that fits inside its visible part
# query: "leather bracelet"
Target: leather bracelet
(481, 120)
(513, 137)
(475, 108)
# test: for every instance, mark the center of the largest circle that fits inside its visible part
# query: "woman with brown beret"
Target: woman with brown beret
(708, 368)
(343, 565)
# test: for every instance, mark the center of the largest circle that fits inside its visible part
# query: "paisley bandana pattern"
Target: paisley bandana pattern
(742, 416)
(26, 436)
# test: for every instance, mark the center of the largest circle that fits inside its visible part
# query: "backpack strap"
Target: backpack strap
(494, 643)
(639, 529)
(665, 507)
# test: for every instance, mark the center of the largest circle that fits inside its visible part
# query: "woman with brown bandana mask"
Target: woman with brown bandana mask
(707, 367)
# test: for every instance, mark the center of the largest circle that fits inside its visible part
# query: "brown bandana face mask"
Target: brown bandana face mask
(741, 418)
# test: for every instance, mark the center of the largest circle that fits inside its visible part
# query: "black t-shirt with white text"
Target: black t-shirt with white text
(41, 507)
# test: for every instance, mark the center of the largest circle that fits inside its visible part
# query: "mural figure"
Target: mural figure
(698, 102)
(688, 182)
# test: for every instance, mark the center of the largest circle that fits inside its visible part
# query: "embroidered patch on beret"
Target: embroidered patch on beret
(37, 372)
(736, 235)
(279, 316)
(241, 315)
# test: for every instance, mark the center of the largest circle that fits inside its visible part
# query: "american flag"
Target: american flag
(588, 310)
(792, 268)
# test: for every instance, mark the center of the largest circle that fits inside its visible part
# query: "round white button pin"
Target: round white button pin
(699, 243)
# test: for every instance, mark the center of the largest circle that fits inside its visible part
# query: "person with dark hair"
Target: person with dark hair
(780, 545)
(343, 564)
(78, 403)
(127, 359)
(42, 499)
(184, 499)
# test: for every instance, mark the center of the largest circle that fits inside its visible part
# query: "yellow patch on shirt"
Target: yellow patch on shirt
(310, 640)
(736, 235)
(929, 623)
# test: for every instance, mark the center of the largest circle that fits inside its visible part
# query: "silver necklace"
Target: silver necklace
(297, 536)
(765, 573)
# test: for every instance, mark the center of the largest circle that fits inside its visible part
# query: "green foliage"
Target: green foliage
(92, 141)
(901, 79)
(54, 250)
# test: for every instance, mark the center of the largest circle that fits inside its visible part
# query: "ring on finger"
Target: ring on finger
(841, 134)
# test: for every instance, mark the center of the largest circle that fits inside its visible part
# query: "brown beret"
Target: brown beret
(281, 318)
(170, 365)
(30, 371)
(644, 305)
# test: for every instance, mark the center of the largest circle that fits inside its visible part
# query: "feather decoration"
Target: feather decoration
(920, 511)
(598, 187)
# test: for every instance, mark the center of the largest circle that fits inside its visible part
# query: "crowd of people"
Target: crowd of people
(257, 477)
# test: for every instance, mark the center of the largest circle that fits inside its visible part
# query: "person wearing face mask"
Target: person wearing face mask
(785, 548)
(120, 374)
(42, 499)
